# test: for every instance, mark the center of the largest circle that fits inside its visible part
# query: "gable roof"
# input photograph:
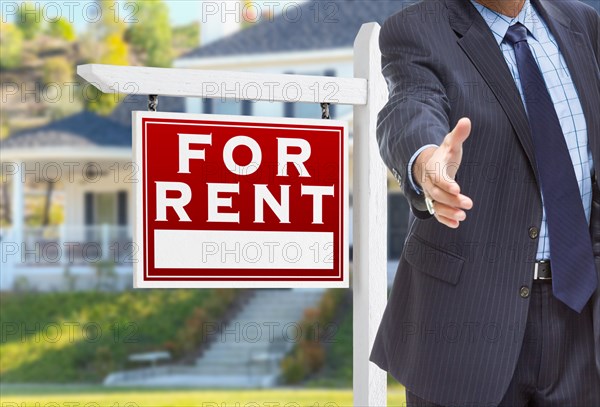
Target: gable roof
(335, 26)
(82, 129)
(85, 129)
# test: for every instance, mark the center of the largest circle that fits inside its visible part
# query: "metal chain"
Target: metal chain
(325, 111)
(152, 102)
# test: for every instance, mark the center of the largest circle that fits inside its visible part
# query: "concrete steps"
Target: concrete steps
(246, 353)
(252, 345)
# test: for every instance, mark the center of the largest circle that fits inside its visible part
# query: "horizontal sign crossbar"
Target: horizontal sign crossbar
(225, 84)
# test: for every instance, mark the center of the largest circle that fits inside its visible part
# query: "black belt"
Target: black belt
(542, 270)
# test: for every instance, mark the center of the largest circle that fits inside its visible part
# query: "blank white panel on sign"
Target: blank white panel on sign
(223, 249)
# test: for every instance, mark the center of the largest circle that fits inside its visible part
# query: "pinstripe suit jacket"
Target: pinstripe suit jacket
(453, 326)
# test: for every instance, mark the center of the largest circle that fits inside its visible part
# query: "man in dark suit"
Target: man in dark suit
(493, 130)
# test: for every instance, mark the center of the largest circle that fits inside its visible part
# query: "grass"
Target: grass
(82, 336)
(29, 395)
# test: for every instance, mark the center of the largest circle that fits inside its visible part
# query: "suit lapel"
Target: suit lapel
(582, 67)
(478, 43)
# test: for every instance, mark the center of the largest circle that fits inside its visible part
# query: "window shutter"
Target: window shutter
(122, 208)
(88, 208)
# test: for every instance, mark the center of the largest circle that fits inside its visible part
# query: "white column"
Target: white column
(17, 205)
(105, 240)
(369, 270)
(10, 247)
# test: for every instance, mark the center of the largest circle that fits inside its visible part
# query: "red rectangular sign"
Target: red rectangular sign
(240, 201)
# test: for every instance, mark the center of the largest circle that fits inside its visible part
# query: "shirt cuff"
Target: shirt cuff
(410, 165)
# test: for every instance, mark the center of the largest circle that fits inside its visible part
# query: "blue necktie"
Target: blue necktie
(574, 277)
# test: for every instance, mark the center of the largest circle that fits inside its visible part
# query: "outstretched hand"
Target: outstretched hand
(435, 171)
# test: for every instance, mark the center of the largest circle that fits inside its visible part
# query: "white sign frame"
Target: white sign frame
(140, 238)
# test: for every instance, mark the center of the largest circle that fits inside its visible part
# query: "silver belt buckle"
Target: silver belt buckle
(536, 271)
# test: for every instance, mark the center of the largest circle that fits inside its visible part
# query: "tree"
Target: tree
(61, 28)
(186, 37)
(11, 46)
(112, 49)
(58, 70)
(151, 37)
(115, 53)
(29, 19)
(111, 21)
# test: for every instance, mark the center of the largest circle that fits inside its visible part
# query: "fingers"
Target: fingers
(449, 212)
(453, 200)
(439, 179)
(457, 137)
(451, 223)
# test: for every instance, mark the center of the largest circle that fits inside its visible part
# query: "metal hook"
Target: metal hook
(152, 103)
(325, 111)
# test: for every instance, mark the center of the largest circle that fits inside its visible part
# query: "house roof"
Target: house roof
(330, 24)
(82, 129)
(122, 113)
(86, 129)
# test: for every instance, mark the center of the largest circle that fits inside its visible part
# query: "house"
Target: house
(87, 160)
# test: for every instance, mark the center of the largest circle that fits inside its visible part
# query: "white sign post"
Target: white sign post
(367, 92)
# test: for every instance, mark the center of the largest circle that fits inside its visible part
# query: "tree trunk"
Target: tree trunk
(7, 213)
(47, 203)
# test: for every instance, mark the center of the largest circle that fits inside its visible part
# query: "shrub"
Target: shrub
(308, 355)
(118, 324)
(293, 368)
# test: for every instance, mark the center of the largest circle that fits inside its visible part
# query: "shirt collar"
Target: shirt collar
(499, 23)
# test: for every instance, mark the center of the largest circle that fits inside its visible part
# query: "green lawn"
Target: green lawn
(29, 395)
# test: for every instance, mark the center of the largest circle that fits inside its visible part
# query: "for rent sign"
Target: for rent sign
(240, 201)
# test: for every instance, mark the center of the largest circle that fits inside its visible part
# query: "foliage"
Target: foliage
(97, 330)
(293, 368)
(11, 46)
(58, 70)
(4, 126)
(337, 371)
(29, 19)
(115, 50)
(61, 28)
(308, 355)
(152, 37)
(112, 49)
(111, 22)
(36, 215)
(186, 36)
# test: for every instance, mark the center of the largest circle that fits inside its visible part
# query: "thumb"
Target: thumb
(457, 137)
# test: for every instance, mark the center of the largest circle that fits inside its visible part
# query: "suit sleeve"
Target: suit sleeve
(598, 38)
(417, 111)
(597, 45)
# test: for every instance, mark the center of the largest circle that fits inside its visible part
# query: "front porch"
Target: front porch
(57, 258)
(67, 207)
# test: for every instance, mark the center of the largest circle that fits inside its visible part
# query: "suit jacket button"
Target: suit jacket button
(524, 292)
(533, 232)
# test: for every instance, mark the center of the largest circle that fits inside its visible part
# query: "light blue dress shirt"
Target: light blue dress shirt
(562, 91)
